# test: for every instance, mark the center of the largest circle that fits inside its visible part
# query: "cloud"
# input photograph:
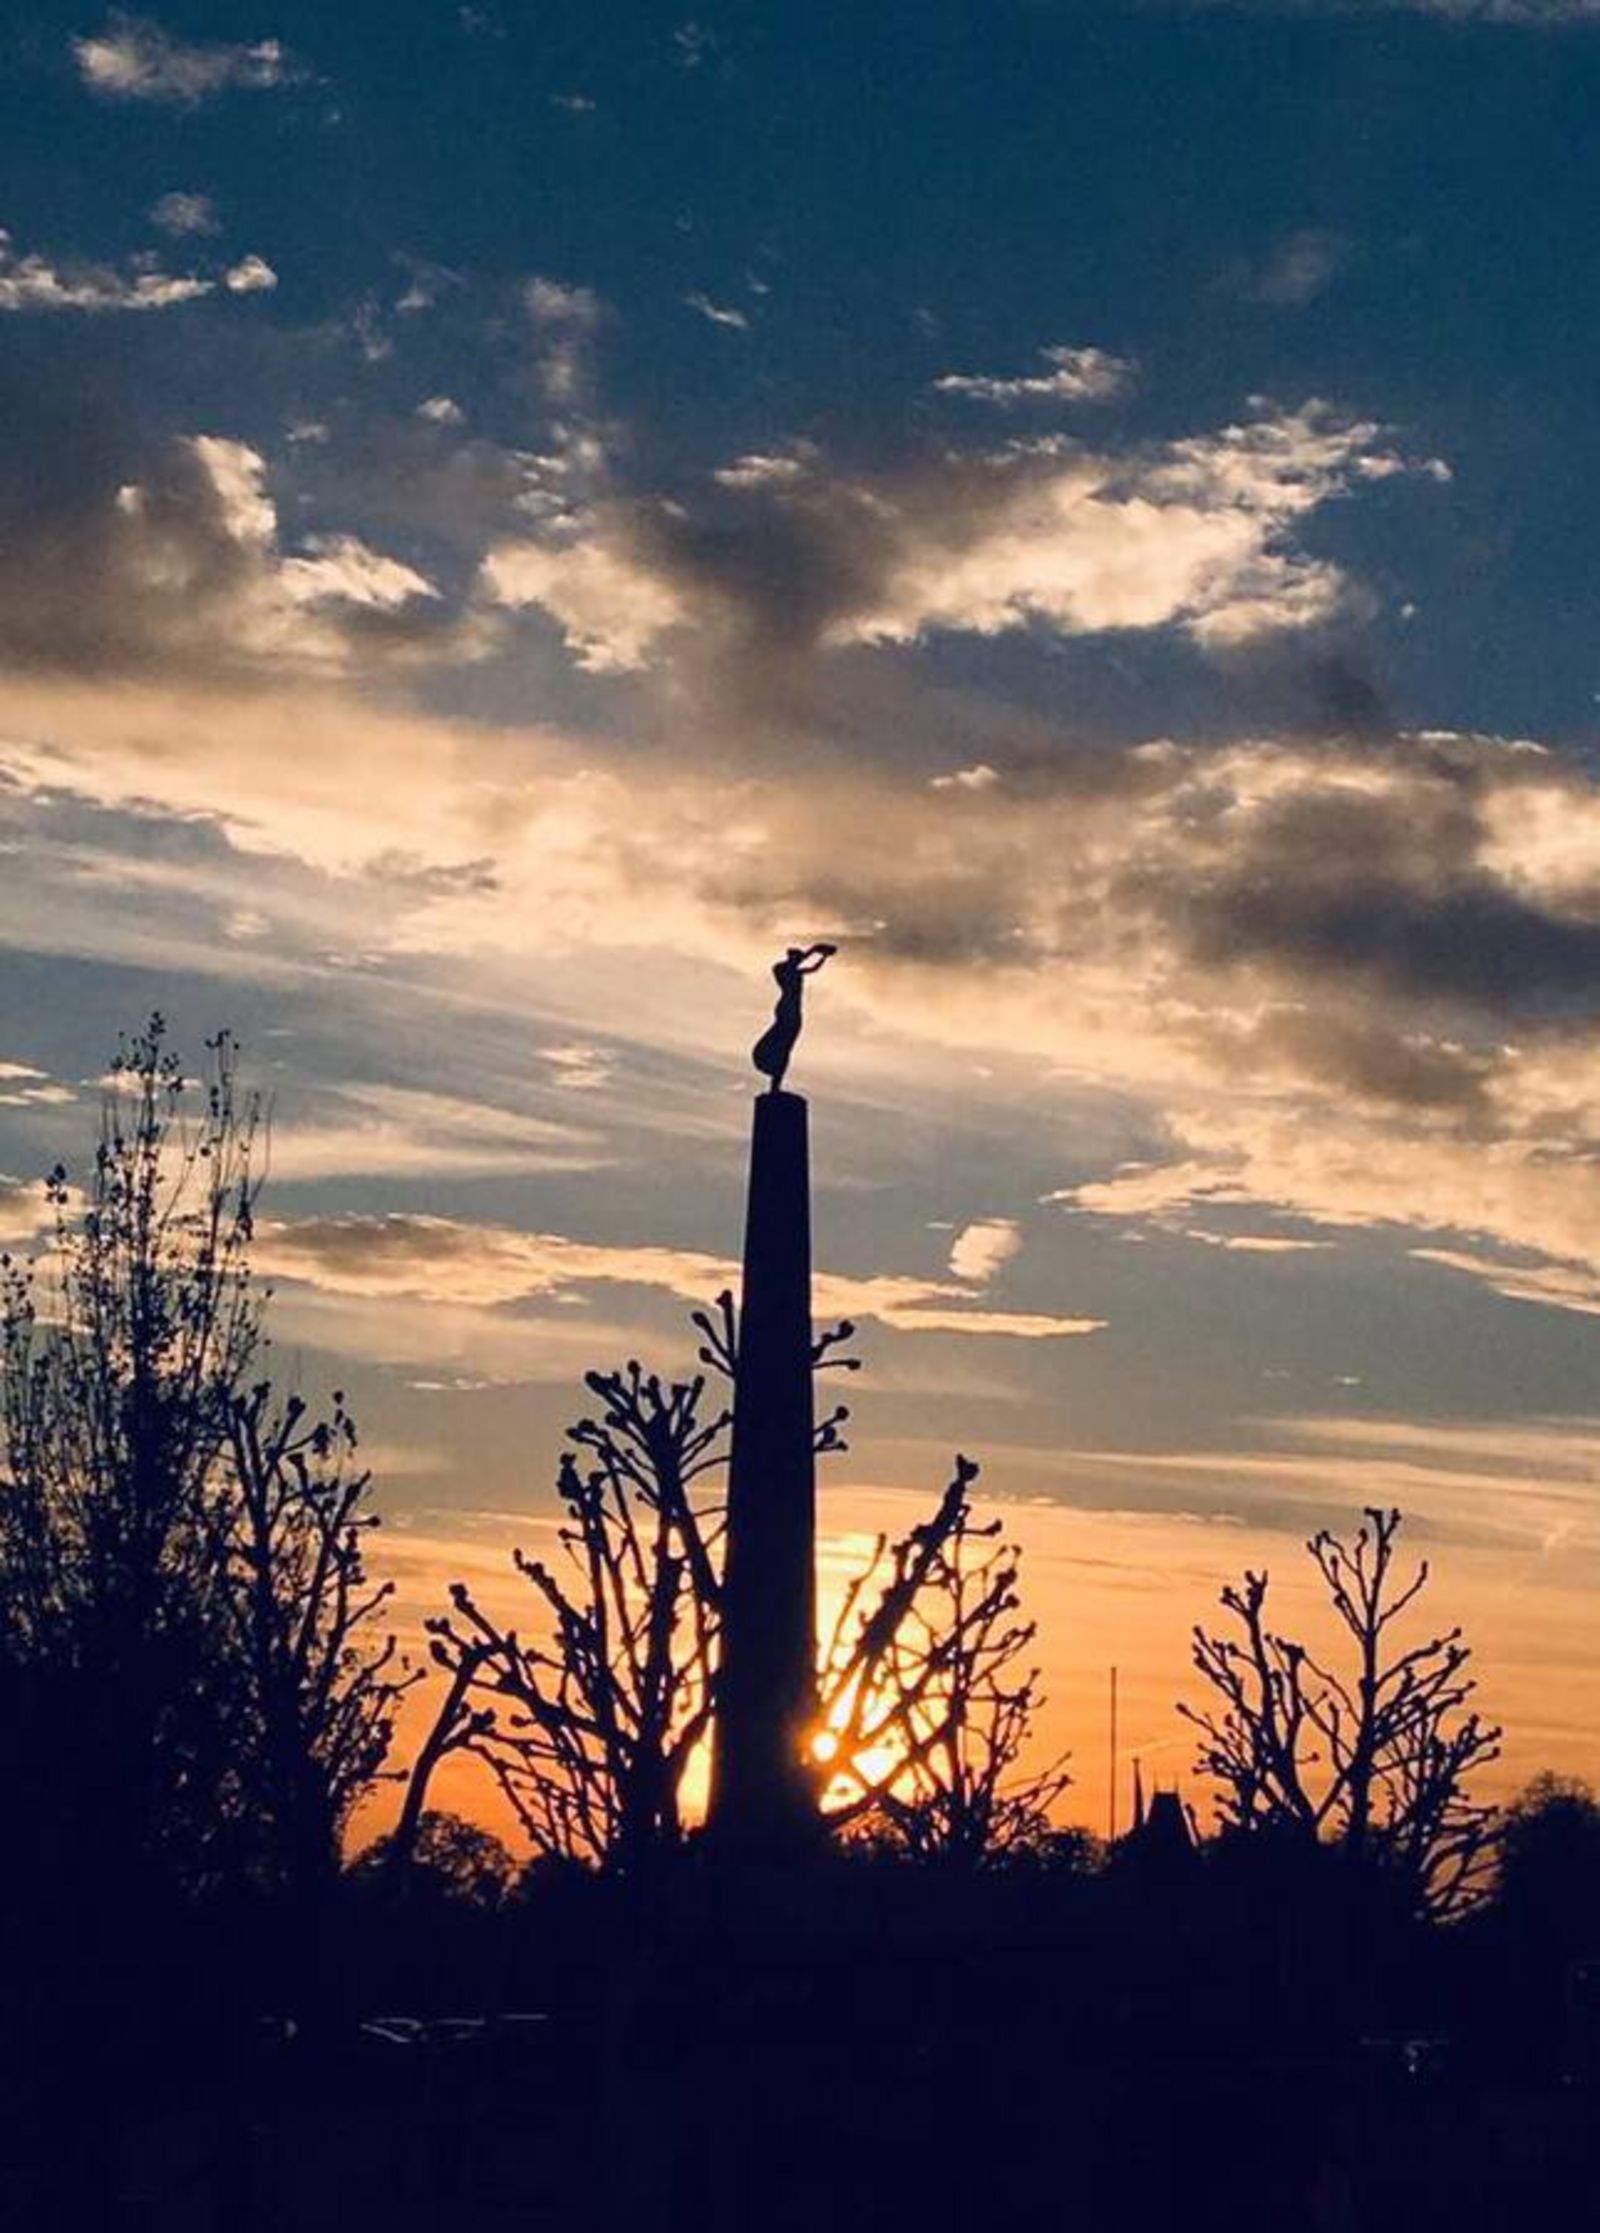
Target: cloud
(1064, 916)
(467, 1346)
(787, 559)
(717, 314)
(184, 215)
(579, 1068)
(1385, 872)
(404, 1133)
(25, 1212)
(1515, 1186)
(482, 1266)
(24, 1087)
(565, 319)
(765, 469)
(694, 43)
(979, 777)
(1557, 1286)
(1253, 1244)
(120, 556)
(611, 607)
(441, 410)
(341, 569)
(1082, 375)
(980, 1250)
(133, 59)
(34, 283)
(1356, 969)
(252, 275)
(1296, 269)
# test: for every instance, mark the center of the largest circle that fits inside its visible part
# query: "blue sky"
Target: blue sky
(508, 516)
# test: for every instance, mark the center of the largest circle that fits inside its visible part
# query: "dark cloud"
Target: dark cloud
(1478, 943)
(124, 554)
(86, 585)
(1386, 885)
(1375, 1059)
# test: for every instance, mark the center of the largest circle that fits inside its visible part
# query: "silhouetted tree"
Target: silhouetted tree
(121, 1354)
(183, 1615)
(1374, 1758)
(926, 1706)
(319, 1684)
(592, 1722)
(446, 1857)
(1548, 1881)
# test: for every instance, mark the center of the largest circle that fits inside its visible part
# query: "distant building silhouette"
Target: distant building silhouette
(1162, 1836)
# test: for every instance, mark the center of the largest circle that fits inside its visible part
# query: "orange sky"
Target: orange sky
(1121, 1587)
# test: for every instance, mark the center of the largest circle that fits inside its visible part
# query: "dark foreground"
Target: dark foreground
(765, 2054)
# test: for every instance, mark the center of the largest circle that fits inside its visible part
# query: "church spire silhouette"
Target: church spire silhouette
(764, 1786)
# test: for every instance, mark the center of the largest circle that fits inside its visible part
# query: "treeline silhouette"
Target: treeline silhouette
(1366, 1998)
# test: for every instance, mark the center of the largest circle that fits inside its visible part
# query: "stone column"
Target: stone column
(763, 1793)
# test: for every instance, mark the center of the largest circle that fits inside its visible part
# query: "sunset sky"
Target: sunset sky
(509, 515)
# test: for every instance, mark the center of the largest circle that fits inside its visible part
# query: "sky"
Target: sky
(509, 517)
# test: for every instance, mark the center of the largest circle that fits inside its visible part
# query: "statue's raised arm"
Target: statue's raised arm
(773, 1049)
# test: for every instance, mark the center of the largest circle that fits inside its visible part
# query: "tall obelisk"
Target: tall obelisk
(763, 1787)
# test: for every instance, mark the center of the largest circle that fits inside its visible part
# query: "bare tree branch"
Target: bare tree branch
(1375, 1759)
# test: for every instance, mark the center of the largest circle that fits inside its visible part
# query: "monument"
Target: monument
(763, 1801)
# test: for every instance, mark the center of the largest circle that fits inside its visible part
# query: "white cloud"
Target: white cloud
(611, 607)
(1196, 535)
(579, 1068)
(565, 319)
(1083, 375)
(34, 283)
(238, 477)
(133, 59)
(441, 410)
(979, 777)
(1557, 1286)
(1254, 1244)
(25, 1213)
(556, 302)
(717, 314)
(765, 469)
(24, 1087)
(252, 275)
(343, 568)
(980, 1250)
(1347, 1171)
(484, 1266)
(184, 214)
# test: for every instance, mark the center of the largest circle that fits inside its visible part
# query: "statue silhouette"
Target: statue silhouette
(772, 1050)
